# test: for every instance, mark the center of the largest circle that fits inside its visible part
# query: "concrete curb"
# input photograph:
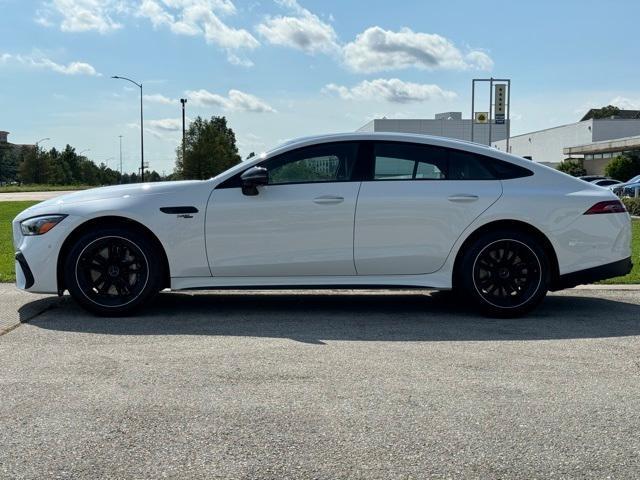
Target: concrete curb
(19, 307)
(634, 288)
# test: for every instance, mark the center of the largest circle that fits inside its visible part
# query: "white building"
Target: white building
(448, 124)
(589, 139)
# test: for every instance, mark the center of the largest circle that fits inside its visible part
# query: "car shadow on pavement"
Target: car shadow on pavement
(313, 317)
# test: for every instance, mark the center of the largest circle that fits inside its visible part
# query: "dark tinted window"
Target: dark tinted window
(468, 166)
(406, 161)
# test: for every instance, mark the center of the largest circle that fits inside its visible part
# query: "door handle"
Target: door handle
(463, 197)
(328, 199)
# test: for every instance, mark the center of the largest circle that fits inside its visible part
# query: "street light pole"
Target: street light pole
(183, 101)
(139, 85)
(120, 136)
(41, 140)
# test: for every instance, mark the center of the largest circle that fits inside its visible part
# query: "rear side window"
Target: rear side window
(469, 166)
(406, 161)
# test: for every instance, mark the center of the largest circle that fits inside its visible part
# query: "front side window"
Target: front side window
(319, 163)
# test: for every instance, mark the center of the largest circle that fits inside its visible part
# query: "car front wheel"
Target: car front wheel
(506, 273)
(112, 272)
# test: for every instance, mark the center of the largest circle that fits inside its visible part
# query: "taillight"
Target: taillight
(610, 206)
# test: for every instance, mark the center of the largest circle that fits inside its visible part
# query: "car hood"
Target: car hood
(57, 204)
(116, 191)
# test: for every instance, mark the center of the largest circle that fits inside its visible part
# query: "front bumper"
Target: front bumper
(24, 275)
(36, 260)
(594, 274)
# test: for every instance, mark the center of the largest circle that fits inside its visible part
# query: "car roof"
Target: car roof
(406, 137)
(388, 136)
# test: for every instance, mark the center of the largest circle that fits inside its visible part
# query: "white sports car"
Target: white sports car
(349, 210)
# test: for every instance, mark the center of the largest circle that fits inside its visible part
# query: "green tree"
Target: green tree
(623, 167)
(210, 148)
(572, 166)
(8, 164)
(606, 112)
(34, 167)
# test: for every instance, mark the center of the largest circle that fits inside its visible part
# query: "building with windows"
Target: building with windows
(447, 124)
(594, 140)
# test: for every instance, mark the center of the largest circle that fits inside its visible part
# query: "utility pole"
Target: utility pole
(183, 101)
(120, 137)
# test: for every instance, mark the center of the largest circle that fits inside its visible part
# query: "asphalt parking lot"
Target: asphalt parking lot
(320, 385)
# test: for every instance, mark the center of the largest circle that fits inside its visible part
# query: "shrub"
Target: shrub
(572, 166)
(623, 167)
(632, 204)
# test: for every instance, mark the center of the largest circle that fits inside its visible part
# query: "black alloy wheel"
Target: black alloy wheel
(112, 271)
(507, 273)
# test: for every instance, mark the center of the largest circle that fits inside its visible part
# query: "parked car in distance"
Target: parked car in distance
(617, 189)
(606, 182)
(339, 211)
(631, 190)
(591, 178)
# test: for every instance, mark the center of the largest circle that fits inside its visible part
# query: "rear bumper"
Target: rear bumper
(594, 274)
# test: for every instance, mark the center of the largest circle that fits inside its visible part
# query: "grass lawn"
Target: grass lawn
(8, 210)
(41, 188)
(634, 276)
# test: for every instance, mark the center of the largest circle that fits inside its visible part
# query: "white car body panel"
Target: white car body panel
(409, 227)
(229, 242)
(286, 230)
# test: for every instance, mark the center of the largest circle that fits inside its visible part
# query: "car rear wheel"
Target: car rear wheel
(506, 273)
(112, 272)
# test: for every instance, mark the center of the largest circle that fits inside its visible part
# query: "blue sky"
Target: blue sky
(279, 69)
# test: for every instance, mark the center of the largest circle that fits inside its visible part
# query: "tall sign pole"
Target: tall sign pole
(499, 106)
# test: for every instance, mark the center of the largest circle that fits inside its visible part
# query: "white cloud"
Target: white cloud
(198, 17)
(39, 61)
(304, 31)
(625, 103)
(158, 98)
(234, 101)
(81, 15)
(377, 49)
(392, 90)
(166, 124)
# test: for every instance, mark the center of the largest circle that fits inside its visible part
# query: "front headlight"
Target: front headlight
(40, 225)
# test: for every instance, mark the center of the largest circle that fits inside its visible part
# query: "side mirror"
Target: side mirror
(252, 179)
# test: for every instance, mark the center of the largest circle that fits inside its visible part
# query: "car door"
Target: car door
(416, 202)
(300, 223)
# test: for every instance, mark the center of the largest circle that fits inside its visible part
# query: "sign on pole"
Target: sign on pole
(482, 117)
(500, 92)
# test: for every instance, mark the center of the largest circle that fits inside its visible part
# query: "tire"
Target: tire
(506, 273)
(113, 271)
